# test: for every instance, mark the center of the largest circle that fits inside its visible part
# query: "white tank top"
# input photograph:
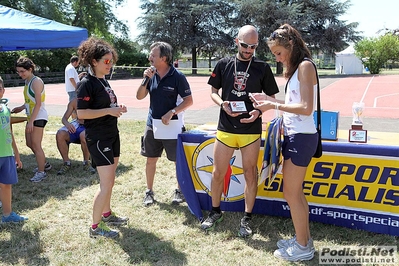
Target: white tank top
(294, 123)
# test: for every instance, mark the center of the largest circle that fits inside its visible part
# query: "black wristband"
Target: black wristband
(221, 105)
(260, 112)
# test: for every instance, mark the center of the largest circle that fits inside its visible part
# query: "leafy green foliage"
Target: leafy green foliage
(190, 26)
(376, 52)
(96, 16)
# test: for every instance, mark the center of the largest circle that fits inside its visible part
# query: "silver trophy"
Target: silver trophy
(357, 110)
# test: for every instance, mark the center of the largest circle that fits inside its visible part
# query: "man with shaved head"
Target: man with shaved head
(240, 125)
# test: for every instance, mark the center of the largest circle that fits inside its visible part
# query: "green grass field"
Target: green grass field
(59, 210)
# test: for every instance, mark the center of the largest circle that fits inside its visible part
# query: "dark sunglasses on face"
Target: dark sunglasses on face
(246, 45)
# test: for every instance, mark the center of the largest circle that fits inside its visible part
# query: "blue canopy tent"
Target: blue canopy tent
(23, 31)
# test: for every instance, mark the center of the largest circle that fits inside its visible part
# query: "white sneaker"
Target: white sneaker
(295, 252)
(38, 177)
(285, 243)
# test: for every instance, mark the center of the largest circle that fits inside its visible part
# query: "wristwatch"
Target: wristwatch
(173, 111)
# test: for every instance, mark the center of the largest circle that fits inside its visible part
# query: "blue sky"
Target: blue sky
(372, 15)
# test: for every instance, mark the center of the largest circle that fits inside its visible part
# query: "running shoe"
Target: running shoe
(178, 197)
(113, 219)
(103, 230)
(38, 177)
(211, 221)
(64, 169)
(88, 168)
(47, 167)
(149, 197)
(245, 230)
(295, 252)
(13, 218)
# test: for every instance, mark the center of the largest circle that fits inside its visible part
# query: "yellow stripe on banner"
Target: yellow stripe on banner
(352, 181)
(358, 181)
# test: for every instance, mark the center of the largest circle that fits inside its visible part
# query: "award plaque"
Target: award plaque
(238, 107)
(357, 133)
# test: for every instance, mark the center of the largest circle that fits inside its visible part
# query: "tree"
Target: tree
(95, 15)
(210, 26)
(376, 52)
(188, 25)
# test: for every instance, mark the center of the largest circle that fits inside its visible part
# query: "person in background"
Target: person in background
(36, 113)
(237, 77)
(97, 104)
(9, 157)
(72, 77)
(170, 95)
(300, 135)
(72, 132)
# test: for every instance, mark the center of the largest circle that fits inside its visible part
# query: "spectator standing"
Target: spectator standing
(72, 77)
(170, 95)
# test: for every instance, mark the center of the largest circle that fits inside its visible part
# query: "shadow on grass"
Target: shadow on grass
(144, 247)
(23, 246)
(33, 195)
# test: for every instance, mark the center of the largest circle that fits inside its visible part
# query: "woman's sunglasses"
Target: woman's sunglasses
(107, 61)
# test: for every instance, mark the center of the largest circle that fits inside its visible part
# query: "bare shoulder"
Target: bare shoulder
(307, 71)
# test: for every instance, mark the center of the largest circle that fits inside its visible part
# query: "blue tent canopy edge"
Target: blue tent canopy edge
(24, 31)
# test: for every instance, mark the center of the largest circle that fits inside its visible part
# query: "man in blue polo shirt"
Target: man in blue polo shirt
(170, 95)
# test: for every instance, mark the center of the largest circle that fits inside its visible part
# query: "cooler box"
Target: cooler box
(329, 124)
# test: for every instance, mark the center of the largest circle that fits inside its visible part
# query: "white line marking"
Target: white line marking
(367, 88)
(377, 98)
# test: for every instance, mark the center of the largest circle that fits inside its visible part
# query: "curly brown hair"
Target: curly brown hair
(94, 49)
(290, 38)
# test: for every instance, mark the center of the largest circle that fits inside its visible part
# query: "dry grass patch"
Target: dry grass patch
(59, 211)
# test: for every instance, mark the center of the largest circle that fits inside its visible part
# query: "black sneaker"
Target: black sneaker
(211, 221)
(88, 168)
(64, 169)
(103, 230)
(47, 167)
(149, 197)
(178, 197)
(245, 230)
(113, 219)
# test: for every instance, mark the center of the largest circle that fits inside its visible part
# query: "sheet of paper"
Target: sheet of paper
(162, 131)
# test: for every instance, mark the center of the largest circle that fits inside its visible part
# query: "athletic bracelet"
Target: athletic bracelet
(260, 112)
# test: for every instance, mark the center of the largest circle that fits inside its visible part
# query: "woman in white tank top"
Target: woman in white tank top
(36, 113)
(300, 135)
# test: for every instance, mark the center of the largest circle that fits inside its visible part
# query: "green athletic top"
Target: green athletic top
(5, 132)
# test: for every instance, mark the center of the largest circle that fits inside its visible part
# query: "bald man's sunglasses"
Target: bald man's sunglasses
(246, 45)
